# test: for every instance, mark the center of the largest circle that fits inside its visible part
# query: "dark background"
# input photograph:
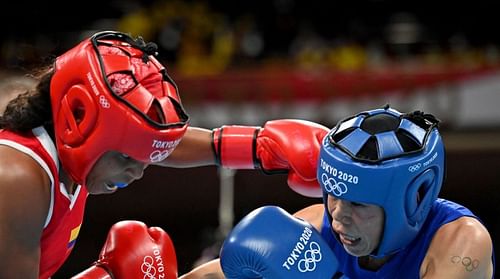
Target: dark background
(361, 20)
(38, 28)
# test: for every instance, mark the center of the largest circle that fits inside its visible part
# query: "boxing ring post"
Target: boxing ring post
(226, 201)
(225, 218)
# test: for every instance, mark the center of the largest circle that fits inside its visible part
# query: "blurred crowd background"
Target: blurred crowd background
(211, 37)
(271, 54)
(245, 62)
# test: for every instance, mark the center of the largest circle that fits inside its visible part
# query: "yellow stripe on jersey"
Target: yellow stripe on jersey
(73, 236)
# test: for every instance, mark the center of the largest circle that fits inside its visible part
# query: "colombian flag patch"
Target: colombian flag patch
(73, 236)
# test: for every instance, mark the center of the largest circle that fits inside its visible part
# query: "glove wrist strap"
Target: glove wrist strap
(234, 146)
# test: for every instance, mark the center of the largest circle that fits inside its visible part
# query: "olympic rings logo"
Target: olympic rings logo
(158, 155)
(332, 186)
(414, 168)
(147, 268)
(311, 257)
(104, 102)
(468, 263)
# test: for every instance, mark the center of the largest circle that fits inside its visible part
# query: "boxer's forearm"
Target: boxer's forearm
(209, 270)
(194, 150)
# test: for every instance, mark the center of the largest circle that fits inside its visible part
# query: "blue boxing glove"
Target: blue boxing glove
(271, 243)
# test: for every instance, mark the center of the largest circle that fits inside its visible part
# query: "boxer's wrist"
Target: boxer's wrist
(234, 146)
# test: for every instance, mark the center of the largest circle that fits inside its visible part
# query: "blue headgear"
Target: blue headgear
(403, 173)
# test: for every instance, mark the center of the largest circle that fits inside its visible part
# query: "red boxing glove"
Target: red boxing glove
(132, 250)
(281, 145)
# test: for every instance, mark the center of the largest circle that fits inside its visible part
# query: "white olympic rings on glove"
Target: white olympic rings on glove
(148, 268)
(311, 257)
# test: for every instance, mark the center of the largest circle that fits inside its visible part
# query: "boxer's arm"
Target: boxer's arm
(194, 150)
(24, 200)
(209, 270)
(284, 145)
(461, 249)
(312, 214)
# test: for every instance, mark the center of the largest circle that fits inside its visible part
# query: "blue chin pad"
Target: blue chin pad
(121, 184)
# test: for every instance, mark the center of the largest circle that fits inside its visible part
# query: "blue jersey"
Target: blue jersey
(406, 261)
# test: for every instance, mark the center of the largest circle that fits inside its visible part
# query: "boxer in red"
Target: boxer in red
(104, 111)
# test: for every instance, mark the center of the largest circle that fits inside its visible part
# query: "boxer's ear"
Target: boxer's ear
(419, 196)
(77, 116)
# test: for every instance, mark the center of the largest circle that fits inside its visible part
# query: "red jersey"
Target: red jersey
(66, 211)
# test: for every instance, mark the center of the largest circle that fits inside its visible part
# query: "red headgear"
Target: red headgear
(110, 94)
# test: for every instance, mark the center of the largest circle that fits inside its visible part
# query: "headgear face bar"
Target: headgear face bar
(110, 93)
(389, 159)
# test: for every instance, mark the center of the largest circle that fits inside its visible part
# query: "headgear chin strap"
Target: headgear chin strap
(392, 160)
(109, 93)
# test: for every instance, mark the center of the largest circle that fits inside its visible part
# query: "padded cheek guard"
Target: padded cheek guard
(110, 94)
(405, 184)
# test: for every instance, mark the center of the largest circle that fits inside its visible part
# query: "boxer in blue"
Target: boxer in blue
(381, 172)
